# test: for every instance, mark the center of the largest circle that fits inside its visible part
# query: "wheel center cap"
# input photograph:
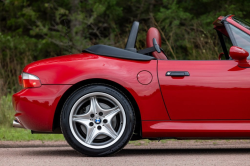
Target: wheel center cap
(98, 121)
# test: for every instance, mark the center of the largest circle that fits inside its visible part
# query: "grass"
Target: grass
(15, 134)
(140, 142)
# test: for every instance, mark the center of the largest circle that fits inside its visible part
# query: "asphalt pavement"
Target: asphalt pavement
(143, 153)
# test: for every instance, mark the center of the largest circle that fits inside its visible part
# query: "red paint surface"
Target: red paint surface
(35, 107)
(144, 77)
(219, 26)
(196, 129)
(214, 90)
(231, 21)
(239, 54)
(71, 69)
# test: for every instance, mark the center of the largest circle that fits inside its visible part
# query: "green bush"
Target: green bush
(15, 53)
(33, 30)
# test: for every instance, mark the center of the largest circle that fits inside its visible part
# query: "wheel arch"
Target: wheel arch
(56, 119)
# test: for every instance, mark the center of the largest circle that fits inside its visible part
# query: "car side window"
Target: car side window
(242, 39)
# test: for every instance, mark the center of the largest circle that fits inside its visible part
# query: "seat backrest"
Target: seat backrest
(154, 33)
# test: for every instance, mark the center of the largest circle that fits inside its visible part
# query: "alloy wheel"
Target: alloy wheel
(97, 120)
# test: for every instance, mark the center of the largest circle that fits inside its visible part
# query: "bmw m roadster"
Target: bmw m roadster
(105, 96)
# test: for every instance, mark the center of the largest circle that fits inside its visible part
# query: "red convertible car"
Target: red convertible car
(105, 96)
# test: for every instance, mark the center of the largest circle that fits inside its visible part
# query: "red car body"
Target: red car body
(211, 102)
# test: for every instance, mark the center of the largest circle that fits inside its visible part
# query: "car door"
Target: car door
(205, 90)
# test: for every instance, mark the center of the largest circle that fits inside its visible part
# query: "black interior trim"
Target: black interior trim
(223, 45)
(117, 53)
(147, 50)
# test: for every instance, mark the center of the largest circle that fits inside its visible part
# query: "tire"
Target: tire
(97, 120)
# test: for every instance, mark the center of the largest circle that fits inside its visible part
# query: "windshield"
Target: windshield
(242, 39)
(241, 22)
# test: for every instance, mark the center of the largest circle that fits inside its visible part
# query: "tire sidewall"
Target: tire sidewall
(118, 145)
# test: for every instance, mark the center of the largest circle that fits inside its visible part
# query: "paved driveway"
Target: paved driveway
(139, 153)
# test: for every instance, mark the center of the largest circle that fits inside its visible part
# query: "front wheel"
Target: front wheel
(97, 120)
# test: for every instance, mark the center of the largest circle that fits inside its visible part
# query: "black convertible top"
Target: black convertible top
(117, 53)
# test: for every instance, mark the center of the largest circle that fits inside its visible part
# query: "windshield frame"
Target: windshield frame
(223, 44)
(230, 21)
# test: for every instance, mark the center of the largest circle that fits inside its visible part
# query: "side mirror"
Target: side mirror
(240, 55)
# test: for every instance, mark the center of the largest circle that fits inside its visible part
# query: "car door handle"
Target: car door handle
(177, 73)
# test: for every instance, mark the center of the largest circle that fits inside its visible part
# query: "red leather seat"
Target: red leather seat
(154, 33)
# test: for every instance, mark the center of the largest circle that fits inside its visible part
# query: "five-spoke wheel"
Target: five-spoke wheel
(97, 120)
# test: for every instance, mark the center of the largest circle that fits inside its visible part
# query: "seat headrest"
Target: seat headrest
(154, 33)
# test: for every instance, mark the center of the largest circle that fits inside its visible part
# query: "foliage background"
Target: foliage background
(32, 30)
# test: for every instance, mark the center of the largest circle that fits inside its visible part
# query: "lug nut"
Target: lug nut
(99, 127)
(100, 113)
(91, 124)
(92, 115)
(105, 121)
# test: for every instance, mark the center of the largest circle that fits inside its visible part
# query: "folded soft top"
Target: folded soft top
(105, 50)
